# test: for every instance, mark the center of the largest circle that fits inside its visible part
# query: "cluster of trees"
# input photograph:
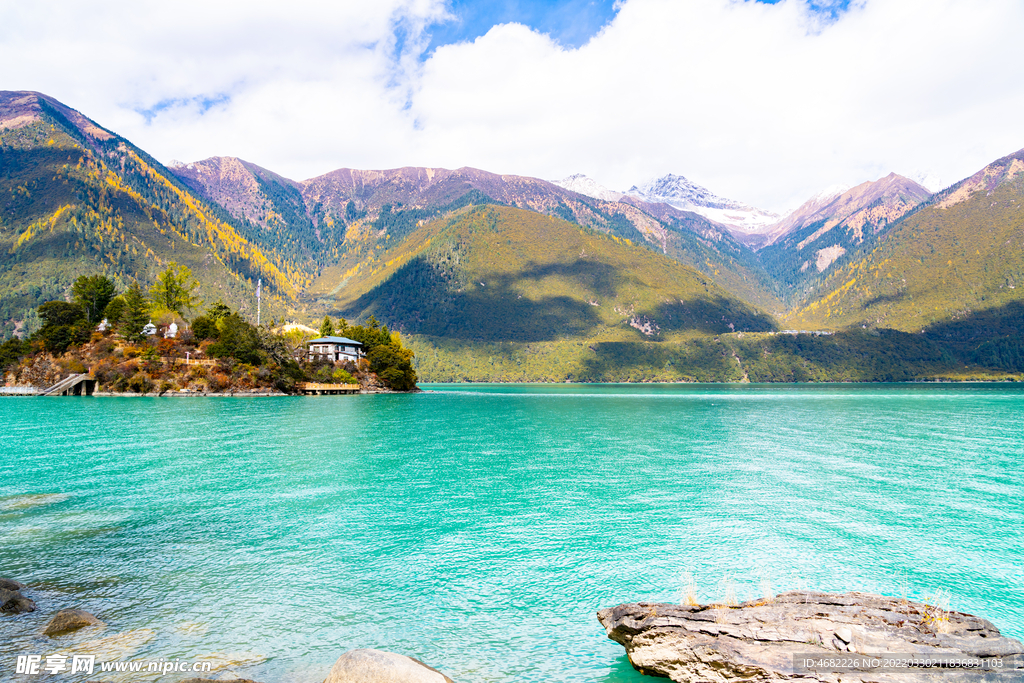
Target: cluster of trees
(94, 299)
(218, 332)
(385, 354)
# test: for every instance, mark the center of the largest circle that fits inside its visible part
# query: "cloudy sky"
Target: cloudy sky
(763, 102)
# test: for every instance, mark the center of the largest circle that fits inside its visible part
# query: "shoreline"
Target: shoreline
(34, 392)
(29, 392)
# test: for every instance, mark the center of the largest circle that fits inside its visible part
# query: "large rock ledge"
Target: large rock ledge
(756, 641)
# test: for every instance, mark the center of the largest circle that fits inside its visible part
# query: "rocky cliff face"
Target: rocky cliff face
(238, 186)
(835, 228)
(810, 636)
(866, 208)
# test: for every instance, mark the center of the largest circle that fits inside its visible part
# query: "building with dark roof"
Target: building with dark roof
(335, 349)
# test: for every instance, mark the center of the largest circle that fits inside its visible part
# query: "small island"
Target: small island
(130, 343)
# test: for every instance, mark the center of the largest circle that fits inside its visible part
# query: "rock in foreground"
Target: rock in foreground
(378, 666)
(11, 599)
(68, 620)
(766, 640)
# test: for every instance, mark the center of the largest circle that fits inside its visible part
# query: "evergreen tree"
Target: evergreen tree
(93, 293)
(237, 339)
(57, 313)
(113, 310)
(11, 352)
(64, 325)
(326, 328)
(207, 326)
(217, 311)
(134, 315)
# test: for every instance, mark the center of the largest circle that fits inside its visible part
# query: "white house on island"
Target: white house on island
(335, 349)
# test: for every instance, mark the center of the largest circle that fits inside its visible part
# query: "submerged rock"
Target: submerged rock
(809, 636)
(11, 599)
(31, 500)
(68, 620)
(118, 646)
(378, 666)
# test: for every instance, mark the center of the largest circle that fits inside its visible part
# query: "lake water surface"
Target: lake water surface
(480, 527)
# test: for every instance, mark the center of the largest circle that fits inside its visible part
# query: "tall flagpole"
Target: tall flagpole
(259, 295)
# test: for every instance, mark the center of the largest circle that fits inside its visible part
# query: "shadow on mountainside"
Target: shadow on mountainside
(884, 299)
(713, 315)
(700, 360)
(593, 277)
(425, 298)
(991, 338)
(978, 326)
(421, 298)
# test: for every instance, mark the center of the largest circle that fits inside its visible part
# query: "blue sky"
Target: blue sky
(570, 22)
(764, 102)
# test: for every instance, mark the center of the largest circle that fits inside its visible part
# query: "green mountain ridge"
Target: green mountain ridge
(78, 199)
(958, 253)
(822, 236)
(498, 273)
(357, 213)
(514, 278)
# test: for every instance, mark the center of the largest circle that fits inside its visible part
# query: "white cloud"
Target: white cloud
(763, 103)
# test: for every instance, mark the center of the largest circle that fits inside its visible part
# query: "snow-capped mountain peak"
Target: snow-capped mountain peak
(830, 192)
(677, 191)
(588, 186)
(928, 180)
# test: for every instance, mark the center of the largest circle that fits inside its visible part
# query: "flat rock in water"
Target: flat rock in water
(68, 620)
(378, 666)
(811, 636)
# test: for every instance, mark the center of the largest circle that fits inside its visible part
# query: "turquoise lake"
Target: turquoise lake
(480, 527)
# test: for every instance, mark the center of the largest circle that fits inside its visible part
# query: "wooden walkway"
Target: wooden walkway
(318, 389)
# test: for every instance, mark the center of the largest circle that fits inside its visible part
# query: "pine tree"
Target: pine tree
(135, 314)
(326, 328)
(93, 293)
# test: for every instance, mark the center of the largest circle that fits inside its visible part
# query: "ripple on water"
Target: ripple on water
(480, 529)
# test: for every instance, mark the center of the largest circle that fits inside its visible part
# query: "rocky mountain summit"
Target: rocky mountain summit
(581, 184)
(872, 205)
(812, 636)
(683, 194)
(19, 109)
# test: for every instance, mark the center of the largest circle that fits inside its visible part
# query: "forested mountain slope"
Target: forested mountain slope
(826, 233)
(354, 213)
(77, 199)
(960, 256)
(497, 273)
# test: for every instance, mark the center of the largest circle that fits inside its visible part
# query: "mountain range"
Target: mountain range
(547, 280)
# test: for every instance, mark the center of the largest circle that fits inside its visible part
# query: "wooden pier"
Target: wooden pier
(318, 389)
